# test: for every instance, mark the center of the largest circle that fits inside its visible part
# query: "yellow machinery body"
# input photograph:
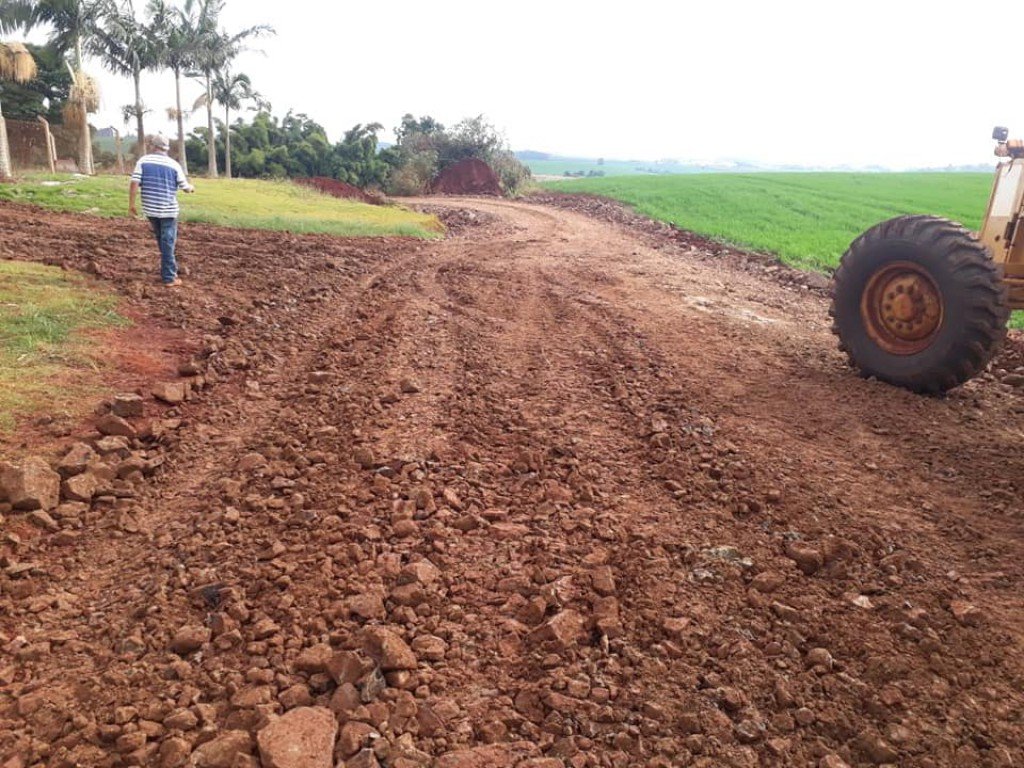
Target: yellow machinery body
(1002, 231)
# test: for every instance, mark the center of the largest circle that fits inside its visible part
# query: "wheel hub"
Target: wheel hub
(902, 308)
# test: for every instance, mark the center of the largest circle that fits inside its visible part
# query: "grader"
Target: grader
(921, 302)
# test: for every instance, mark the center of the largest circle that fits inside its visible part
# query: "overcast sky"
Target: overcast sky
(901, 83)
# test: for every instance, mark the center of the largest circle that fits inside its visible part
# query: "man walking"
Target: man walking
(160, 177)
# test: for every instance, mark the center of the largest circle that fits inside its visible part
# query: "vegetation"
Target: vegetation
(16, 65)
(425, 148)
(246, 204)
(808, 219)
(46, 357)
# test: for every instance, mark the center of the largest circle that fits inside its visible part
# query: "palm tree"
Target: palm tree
(214, 50)
(17, 66)
(231, 91)
(73, 24)
(178, 31)
(127, 47)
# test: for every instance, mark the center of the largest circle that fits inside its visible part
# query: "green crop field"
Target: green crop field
(808, 219)
(244, 203)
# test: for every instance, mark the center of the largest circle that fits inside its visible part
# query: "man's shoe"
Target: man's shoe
(175, 283)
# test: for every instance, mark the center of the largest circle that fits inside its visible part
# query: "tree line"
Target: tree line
(187, 39)
(297, 146)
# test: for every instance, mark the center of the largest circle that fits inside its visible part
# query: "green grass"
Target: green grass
(807, 219)
(46, 359)
(244, 203)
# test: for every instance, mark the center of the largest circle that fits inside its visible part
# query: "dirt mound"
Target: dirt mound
(342, 189)
(467, 177)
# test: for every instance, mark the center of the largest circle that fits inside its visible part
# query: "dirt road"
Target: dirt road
(624, 503)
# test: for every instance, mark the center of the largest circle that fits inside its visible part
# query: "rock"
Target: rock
(430, 647)
(113, 444)
(1014, 379)
(368, 605)
(181, 720)
(189, 639)
(76, 460)
(314, 659)
(171, 392)
(355, 736)
(564, 629)
(32, 485)
(819, 657)
(222, 751)
(365, 759)
(748, 732)
(174, 753)
(807, 559)
(876, 749)
(967, 614)
(344, 667)
(301, 738)
(388, 649)
(127, 406)
(114, 426)
(364, 458)
(767, 582)
(409, 386)
(82, 487)
(602, 580)
(479, 757)
(421, 572)
(296, 696)
(41, 519)
(832, 761)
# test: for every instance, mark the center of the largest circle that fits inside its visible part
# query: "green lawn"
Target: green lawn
(46, 358)
(244, 203)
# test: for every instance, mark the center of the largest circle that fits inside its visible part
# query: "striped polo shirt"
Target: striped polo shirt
(159, 177)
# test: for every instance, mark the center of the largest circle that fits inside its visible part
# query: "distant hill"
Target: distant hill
(548, 164)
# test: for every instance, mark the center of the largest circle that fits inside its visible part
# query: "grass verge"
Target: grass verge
(47, 360)
(244, 203)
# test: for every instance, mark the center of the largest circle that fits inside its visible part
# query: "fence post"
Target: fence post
(51, 148)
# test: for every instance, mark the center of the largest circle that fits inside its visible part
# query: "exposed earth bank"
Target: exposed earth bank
(552, 492)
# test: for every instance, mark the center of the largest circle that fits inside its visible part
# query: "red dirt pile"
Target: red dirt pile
(342, 189)
(467, 177)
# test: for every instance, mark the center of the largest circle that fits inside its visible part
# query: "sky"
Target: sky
(899, 84)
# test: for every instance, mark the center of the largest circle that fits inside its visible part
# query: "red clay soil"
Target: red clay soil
(341, 189)
(552, 493)
(467, 177)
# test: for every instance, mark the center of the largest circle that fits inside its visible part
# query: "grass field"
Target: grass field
(45, 358)
(241, 203)
(808, 219)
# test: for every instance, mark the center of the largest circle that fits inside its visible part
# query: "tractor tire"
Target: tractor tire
(918, 302)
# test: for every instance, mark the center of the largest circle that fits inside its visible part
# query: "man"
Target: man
(160, 177)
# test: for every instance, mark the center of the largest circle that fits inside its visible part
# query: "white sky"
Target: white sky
(901, 83)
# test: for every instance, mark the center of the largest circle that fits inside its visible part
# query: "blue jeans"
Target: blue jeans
(166, 233)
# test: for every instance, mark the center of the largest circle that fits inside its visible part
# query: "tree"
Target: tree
(178, 31)
(231, 91)
(127, 47)
(73, 24)
(18, 66)
(44, 95)
(214, 50)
